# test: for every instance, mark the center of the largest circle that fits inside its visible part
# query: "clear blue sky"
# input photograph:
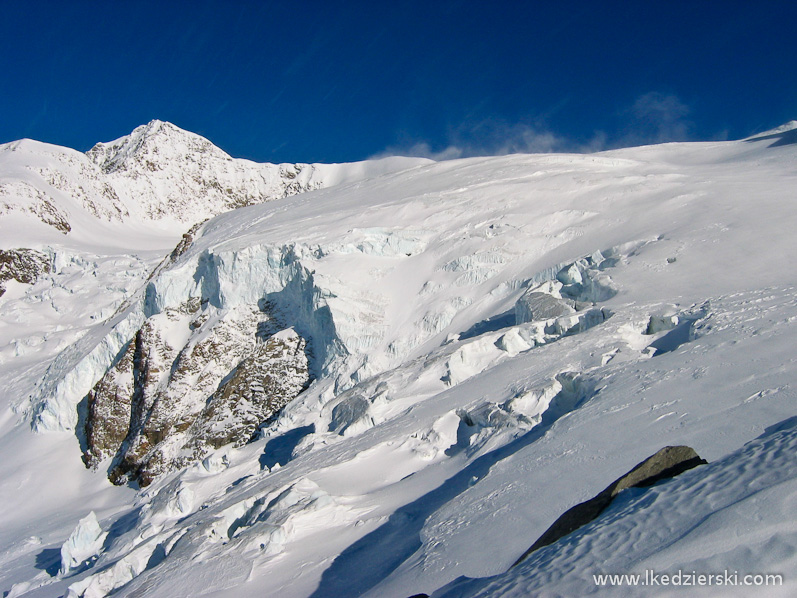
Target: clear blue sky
(340, 81)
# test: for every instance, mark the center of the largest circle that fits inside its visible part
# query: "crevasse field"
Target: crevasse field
(490, 341)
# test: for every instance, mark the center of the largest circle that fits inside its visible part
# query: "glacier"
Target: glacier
(491, 341)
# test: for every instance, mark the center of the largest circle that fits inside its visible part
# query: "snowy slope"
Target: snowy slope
(98, 224)
(741, 494)
(493, 340)
(159, 178)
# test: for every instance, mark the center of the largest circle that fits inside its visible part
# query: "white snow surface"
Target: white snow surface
(84, 543)
(443, 434)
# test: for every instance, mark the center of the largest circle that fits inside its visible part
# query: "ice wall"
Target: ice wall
(272, 277)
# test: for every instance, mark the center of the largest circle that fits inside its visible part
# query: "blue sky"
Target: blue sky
(340, 81)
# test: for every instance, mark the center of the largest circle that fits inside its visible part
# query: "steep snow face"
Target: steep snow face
(493, 341)
(167, 169)
(372, 274)
(159, 175)
(81, 234)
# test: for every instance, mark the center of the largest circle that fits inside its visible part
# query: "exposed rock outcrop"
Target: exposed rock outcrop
(24, 197)
(666, 463)
(194, 379)
(260, 386)
(109, 407)
(22, 265)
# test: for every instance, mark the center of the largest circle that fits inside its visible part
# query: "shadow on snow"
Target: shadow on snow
(373, 557)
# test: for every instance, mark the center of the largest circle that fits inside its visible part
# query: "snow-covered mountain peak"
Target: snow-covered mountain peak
(153, 146)
(159, 173)
(180, 176)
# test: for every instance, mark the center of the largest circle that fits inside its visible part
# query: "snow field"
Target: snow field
(449, 425)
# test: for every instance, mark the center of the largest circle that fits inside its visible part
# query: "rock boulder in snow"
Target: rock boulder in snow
(666, 463)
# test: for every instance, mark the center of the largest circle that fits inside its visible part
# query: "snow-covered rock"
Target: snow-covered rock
(22, 265)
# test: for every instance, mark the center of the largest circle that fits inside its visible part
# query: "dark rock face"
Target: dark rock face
(668, 462)
(22, 265)
(109, 407)
(261, 386)
(190, 382)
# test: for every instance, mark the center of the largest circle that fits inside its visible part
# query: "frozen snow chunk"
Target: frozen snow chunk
(489, 425)
(608, 356)
(183, 503)
(444, 431)
(84, 543)
(470, 359)
(122, 572)
(351, 416)
(568, 325)
(597, 259)
(488, 415)
(536, 305)
(532, 403)
(661, 323)
(570, 274)
(437, 439)
(513, 342)
(594, 287)
(598, 287)
(215, 463)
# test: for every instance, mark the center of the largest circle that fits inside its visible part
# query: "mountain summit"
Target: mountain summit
(153, 146)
